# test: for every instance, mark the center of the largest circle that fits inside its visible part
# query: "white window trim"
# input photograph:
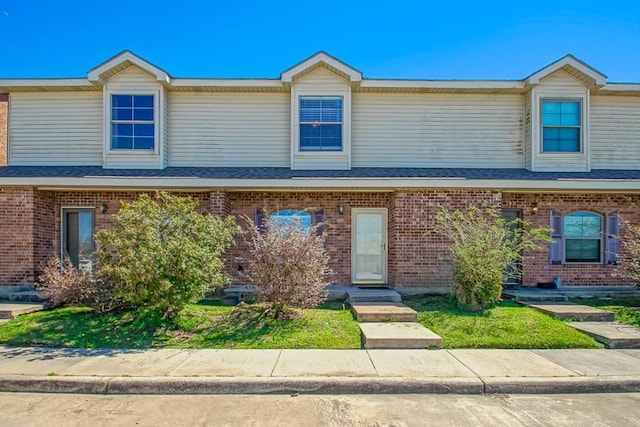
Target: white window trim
(540, 158)
(157, 128)
(345, 94)
(581, 127)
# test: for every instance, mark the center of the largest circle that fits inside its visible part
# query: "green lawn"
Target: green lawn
(206, 325)
(627, 310)
(507, 325)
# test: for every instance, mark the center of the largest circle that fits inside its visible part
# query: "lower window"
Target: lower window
(77, 237)
(583, 237)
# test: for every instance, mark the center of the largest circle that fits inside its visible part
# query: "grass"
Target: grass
(205, 325)
(627, 310)
(506, 325)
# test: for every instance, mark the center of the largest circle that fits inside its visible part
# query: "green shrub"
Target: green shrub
(482, 246)
(289, 265)
(163, 254)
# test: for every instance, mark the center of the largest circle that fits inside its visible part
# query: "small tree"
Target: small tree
(289, 264)
(162, 253)
(629, 259)
(482, 246)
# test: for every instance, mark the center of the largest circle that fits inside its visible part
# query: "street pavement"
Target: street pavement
(174, 371)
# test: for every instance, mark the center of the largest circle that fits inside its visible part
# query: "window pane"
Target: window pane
(122, 142)
(143, 143)
(145, 114)
(122, 129)
(295, 218)
(549, 119)
(121, 114)
(143, 101)
(582, 250)
(143, 130)
(121, 101)
(550, 107)
(582, 224)
(321, 110)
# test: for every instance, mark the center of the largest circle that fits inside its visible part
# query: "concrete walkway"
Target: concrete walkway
(173, 371)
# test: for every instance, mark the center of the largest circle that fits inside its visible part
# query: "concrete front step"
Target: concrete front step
(383, 312)
(28, 296)
(567, 310)
(357, 295)
(11, 310)
(532, 296)
(398, 335)
(612, 334)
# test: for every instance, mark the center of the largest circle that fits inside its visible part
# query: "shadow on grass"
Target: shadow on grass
(447, 305)
(81, 327)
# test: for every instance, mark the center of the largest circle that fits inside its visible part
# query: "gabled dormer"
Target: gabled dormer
(135, 112)
(321, 112)
(557, 115)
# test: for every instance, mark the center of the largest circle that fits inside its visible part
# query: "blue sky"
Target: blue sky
(397, 39)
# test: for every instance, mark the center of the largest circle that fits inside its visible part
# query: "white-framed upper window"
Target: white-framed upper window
(320, 123)
(561, 126)
(133, 122)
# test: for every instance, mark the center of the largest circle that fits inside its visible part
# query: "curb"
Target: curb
(316, 385)
(562, 385)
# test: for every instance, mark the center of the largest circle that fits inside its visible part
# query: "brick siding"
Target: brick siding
(417, 257)
(537, 268)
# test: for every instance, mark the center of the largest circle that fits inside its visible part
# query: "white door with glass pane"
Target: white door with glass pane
(369, 245)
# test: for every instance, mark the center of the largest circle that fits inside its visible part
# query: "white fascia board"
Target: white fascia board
(442, 84)
(323, 183)
(63, 82)
(599, 78)
(186, 82)
(622, 87)
(354, 75)
(95, 75)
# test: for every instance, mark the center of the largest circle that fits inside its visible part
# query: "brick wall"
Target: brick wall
(4, 130)
(418, 257)
(537, 268)
(17, 236)
(338, 241)
(31, 227)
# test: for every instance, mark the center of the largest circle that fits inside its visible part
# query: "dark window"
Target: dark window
(77, 244)
(132, 122)
(320, 123)
(561, 126)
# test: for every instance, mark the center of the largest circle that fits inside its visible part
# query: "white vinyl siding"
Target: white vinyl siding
(528, 122)
(55, 128)
(615, 132)
(437, 130)
(134, 81)
(229, 129)
(321, 82)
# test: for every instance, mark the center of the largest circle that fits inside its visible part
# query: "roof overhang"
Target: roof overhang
(321, 59)
(583, 72)
(123, 60)
(302, 184)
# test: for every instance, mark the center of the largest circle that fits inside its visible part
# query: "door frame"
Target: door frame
(63, 226)
(385, 244)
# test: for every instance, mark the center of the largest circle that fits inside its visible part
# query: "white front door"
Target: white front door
(369, 245)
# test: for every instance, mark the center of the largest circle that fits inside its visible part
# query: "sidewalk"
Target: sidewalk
(170, 371)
